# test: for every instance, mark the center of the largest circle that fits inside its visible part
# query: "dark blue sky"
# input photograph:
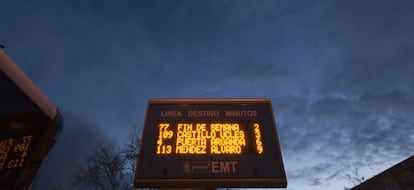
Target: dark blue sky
(339, 73)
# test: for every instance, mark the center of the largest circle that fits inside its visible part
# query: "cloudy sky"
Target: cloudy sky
(339, 73)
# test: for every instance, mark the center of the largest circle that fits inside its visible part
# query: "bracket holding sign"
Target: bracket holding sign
(210, 143)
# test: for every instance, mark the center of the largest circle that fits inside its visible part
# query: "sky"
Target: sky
(339, 73)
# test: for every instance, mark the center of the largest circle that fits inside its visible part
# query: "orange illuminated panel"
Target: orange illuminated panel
(209, 138)
(22, 144)
(210, 143)
(14, 146)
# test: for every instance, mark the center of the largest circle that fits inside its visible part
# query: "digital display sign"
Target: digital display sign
(13, 151)
(24, 141)
(210, 143)
(29, 126)
(209, 138)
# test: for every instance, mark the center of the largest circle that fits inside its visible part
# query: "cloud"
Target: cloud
(368, 131)
(376, 45)
(362, 112)
(79, 137)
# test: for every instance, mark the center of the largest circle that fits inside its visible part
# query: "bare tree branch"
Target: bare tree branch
(104, 169)
(131, 147)
(354, 177)
(109, 167)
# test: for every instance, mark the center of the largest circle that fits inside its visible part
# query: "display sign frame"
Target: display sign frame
(29, 126)
(208, 168)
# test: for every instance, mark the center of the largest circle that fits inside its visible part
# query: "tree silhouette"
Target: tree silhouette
(109, 167)
(353, 177)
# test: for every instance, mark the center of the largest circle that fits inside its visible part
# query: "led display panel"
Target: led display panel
(210, 143)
